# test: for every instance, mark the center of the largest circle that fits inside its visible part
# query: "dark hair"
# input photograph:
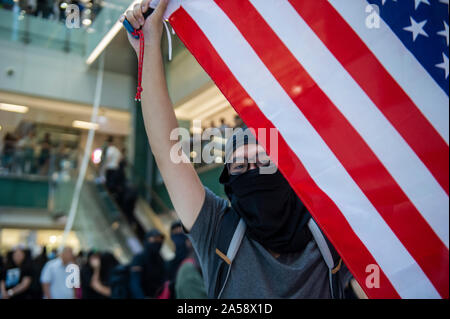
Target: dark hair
(175, 224)
(107, 262)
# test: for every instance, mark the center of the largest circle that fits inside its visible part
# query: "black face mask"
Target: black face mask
(275, 216)
(151, 249)
(181, 250)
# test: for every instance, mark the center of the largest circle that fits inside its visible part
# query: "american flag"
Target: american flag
(361, 108)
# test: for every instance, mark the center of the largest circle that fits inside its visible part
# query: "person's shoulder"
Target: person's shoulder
(53, 263)
(187, 267)
(27, 269)
(217, 202)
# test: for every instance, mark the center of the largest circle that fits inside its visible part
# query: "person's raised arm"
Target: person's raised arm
(182, 182)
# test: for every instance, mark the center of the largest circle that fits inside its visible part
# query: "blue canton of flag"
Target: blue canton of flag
(422, 26)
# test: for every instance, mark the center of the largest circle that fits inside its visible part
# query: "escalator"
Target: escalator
(43, 202)
(99, 223)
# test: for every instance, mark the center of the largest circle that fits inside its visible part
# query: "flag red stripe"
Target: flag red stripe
(355, 254)
(382, 89)
(349, 147)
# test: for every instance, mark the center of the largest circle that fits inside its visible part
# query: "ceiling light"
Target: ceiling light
(85, 125)
(13, 108)
(87, 22)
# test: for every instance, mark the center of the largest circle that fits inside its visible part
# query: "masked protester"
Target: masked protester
(147, 271)
(277, 256)
(181, 249)
(274, 215)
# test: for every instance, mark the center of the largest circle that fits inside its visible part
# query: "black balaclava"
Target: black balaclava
(154, 272)
(179, 240)
(152, 249)
(275, 216)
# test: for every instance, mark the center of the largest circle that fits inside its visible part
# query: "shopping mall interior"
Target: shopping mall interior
(48, 84)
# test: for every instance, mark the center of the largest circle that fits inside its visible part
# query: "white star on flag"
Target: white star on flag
(418, 2)
(444, 32)
(444, 64)
(416, 28)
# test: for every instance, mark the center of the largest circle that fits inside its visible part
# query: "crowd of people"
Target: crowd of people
(26, 154)
(53, 9)
(99, 275)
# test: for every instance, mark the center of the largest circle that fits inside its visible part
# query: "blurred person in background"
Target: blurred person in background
(81, 258)
(189, 282)
(27, 144)
(7, 4)
(38, 264)
(44, 8)
(31, 6)
(62, 154)
(16, 278)
(9, 148)
(223, 126)
(96, 275)
(147, 269)
(53, 254)
(126, 195)
(111, 164)
(2, 266)
(181, 248)
(238, 121)
(54, 276)
(24, 149)
(44, 156)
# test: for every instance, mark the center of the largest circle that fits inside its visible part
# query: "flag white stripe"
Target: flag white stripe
(388, 145)
(317, 158)
(401, 64)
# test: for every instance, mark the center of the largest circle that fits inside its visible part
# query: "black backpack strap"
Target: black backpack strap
(230, 231)
(331, 258)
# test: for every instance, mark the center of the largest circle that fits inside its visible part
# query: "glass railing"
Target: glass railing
(60, 31)
(32, 182)
(17, 26)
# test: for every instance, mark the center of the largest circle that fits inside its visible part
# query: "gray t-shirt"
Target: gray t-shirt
(255, 272)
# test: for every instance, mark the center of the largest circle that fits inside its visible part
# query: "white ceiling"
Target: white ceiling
(208, 105)
(60, 113)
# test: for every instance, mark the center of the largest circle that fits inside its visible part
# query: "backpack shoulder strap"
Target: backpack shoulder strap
(330, 256)
(322, 244)
(236, 240)
(230, 232)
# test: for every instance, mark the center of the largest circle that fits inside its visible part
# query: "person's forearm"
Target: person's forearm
(98, 286)
(158, 113)
(22, 286)
(183, 184)
(3, 290)
(46, 290)
(160, 121)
